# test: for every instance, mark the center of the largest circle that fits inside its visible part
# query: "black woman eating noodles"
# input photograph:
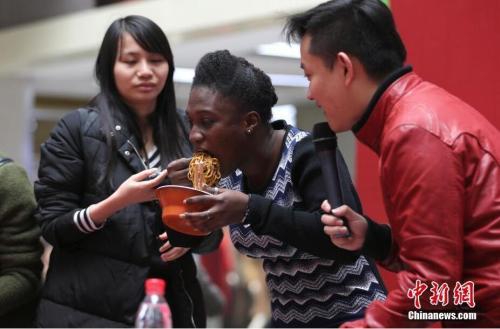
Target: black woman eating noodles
(270, 196)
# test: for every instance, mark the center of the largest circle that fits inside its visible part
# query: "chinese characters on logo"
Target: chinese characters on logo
(416, 292)
(462, 293)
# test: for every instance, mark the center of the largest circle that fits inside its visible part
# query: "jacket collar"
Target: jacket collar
(128, 148)
(369, 128)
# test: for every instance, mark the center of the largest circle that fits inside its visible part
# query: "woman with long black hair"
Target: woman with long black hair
(96, 191)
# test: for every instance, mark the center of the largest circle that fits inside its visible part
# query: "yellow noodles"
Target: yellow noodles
(203, 169)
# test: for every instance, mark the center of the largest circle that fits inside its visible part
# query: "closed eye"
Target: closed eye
(157, 60)
(130, 62)
(206, 122)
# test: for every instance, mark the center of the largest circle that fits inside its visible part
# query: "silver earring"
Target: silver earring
(249, 131)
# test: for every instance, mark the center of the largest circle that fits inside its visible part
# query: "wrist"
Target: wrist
(247, 211)
(245, 215)
(100, 211)
(85, 223)
(95, 214)
(377, 241)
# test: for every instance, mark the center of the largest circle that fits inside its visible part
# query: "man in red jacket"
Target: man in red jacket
(439, 168)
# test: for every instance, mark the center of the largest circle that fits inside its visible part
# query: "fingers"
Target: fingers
(325, 206)
(345, 227)
(178, 175)
(331, 220)
(336, 231)
(347, 213)
(212, 190)
(201, 200)
(158, 179)
(173, 254)
(178, 171)
(343, 211)
(166, 246)
(197, 217)
(169, 252)
(334, 226)
(143, 174)
(202, 221)
(179, 164)
(333, 217)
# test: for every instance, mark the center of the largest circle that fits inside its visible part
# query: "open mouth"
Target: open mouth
(223, 168)
(205, 151)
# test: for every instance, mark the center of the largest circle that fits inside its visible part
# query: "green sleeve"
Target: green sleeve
(20, 247)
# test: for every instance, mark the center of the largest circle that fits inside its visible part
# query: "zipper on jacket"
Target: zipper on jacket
(191, 304)
(137, 153)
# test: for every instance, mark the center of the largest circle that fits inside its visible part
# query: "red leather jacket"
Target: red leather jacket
(440, 175)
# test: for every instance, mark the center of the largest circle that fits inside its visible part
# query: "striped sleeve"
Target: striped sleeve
(84, 223)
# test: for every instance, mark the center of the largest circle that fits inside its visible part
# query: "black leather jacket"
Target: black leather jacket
(97, 279)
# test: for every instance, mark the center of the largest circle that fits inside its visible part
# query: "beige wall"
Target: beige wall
(31, 103)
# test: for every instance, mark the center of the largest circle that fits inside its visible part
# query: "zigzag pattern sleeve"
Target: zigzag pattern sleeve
(84, 223)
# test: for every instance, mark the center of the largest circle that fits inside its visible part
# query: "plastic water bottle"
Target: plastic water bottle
(154, 311)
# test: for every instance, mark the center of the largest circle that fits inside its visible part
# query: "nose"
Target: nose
(195, 136)
(144, 70)
(309, 94)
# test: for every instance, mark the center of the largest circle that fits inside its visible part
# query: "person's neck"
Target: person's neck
(263, 158)
(362, 89)
(146, 131)
(373, 91)
(364, 93)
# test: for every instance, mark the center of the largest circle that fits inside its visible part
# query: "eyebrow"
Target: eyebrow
(129, 52)
(203, 109)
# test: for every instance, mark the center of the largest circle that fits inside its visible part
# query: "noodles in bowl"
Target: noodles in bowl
(203, 170)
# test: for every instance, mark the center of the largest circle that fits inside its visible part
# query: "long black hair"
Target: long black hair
(169, 133)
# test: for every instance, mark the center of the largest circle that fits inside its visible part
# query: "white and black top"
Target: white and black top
(311, 282)
(154, 157)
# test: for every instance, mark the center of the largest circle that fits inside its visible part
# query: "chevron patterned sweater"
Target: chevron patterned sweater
(283, 228)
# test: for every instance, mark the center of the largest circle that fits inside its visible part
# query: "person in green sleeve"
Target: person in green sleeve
(20, 247)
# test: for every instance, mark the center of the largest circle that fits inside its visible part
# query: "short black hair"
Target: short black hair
(237, 80)
(364, 29)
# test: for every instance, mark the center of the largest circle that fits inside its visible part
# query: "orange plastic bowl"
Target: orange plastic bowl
(171, 199)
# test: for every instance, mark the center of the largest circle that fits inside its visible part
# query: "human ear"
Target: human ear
(252, 119)
(345, 64)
